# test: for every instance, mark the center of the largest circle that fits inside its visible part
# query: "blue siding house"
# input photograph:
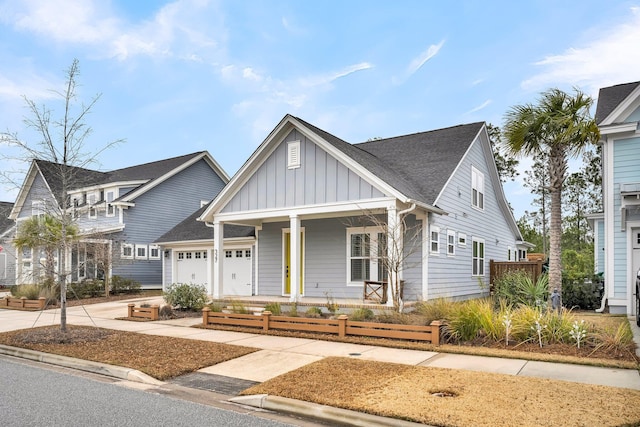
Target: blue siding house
(7, 250)
(119, 213)
(326, 213)
(617, 229)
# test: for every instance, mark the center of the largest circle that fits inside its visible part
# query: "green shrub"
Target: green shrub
(583, 294)
(313, 312)
(274, 308)
(293, 310)
(360, 314)
(85, 289)
(121, 284)
(517, 288)
(185, 296)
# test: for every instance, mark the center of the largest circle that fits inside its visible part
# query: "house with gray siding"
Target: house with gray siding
(327, 213)
(7, 250)
(617, 229)
(119, 213)
(188, 251)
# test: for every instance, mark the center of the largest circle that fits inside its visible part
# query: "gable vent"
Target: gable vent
(293, 154)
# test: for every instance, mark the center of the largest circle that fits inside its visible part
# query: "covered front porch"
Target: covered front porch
(344, 254)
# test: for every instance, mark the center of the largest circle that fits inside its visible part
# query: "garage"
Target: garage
(191, 267)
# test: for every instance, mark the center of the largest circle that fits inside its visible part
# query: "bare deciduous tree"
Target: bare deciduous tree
(62, 141)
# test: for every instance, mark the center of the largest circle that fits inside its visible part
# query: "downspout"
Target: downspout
(406, 211)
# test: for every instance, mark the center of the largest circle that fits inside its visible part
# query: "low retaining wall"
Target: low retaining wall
(341, 326)
(150, 313)
(23, 303)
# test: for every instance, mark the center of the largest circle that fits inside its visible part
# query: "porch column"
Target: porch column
(218, 259)
(394, 251)
(294, 262)
(210, 253)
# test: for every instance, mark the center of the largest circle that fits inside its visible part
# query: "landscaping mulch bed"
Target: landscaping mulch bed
(446, 397)
(158, 356)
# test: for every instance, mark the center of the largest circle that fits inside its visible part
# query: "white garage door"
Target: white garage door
(237, 272)
(191, 267)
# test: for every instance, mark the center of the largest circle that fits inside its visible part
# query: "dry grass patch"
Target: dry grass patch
(466, 398)
(158, 356)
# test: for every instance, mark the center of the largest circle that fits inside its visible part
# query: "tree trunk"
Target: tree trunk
(557, 172)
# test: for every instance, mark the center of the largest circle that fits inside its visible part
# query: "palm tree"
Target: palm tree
(44, 232)
(560, 126)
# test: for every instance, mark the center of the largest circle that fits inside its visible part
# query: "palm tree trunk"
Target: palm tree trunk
(557, 172)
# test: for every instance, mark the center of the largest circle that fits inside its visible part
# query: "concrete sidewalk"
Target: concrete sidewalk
(279, 355)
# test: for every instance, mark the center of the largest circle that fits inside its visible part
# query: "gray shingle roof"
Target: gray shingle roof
(610, 97)
(191, 229)
(417, 165)
(81, 177)
(427, 159)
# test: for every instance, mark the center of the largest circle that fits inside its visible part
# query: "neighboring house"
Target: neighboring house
(617, 229)
(7, 250)
(119, 213)
(311, 198)
(188, 251)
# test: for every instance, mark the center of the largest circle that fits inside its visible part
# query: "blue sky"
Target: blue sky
(177, 77)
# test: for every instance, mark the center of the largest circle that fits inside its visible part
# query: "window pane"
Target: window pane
(359, 245)
(359, 270)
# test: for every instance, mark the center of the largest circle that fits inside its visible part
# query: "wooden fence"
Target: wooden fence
(498, 268)
(150, 313)
(340, 326)
(23, 303)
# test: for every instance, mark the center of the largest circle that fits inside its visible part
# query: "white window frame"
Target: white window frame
(434, 240)
(92, 213)
(153, 248)
(125, 246)
(141, 247)
(37, 208)
(510, 255)
(477, 189)
(451, 243)
(293, 154)
(374, 261)
(111, 209)
(477, 262)
(462, 240)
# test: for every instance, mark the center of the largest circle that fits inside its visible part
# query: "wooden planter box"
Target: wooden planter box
(150, 313)
(23, 303)
(341, 326)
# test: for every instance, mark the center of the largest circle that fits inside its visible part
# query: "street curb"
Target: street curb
(317, 411)
(82, 365)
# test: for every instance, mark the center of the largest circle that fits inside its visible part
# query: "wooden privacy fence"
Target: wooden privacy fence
(150, 313)
(498, 268)
(341, 326)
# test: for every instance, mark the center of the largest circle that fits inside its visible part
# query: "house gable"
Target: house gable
(315, 178)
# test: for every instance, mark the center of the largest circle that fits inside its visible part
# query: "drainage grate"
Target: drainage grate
(216, 383)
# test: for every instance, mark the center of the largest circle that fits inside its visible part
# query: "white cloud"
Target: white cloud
(182, 29)
(609, 59)
(418, 62)
(479, 107)
(327, 78)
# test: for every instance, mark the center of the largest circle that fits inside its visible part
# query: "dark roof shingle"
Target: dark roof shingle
(610, 97)
(191, 229)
